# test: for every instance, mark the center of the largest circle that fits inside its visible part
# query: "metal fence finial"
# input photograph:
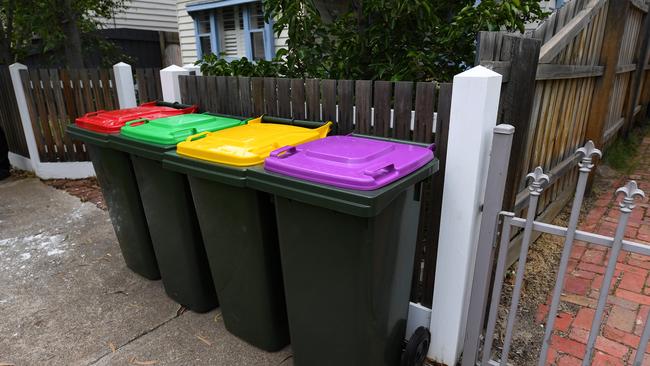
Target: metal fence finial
(587, 151)
(539, 178)
(631, 192)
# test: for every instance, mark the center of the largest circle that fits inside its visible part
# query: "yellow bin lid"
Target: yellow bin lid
(249, 144)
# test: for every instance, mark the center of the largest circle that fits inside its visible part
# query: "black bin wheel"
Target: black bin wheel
(416, 349)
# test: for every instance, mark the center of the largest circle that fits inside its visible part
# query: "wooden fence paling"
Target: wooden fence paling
(637, 79)
(615, 25)
(55, 98)
(149, 86)
(429, 230)
(344, 101)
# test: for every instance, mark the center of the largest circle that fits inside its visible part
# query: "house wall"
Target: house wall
(187, 35)
(156, 15)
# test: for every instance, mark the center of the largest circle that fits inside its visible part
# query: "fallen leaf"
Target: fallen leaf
(204, 340)
(217, 318)
(112, 346)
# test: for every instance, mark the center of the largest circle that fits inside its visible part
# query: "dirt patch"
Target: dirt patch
(539, 280)
(87, 190)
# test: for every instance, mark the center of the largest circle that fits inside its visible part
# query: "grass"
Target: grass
(620, 155)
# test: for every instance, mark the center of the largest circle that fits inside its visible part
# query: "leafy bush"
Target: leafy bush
(380, 39)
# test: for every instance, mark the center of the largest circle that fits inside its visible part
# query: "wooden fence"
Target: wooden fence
(148, 85)
(580, 75)
(401, 110)
(9, 115)
(56, 98)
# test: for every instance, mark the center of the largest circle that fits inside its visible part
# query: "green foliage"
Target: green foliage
(48, 22)
(385, 39)
(621, 154)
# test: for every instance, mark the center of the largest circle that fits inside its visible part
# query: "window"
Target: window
(234, 32)
(203, 33)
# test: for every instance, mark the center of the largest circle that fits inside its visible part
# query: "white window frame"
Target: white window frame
(267, 32)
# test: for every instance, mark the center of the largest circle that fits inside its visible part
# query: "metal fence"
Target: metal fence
(509, 221)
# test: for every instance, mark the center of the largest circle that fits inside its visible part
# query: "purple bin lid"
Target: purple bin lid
(349, 161)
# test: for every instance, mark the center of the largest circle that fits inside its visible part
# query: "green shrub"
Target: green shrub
(380, 39)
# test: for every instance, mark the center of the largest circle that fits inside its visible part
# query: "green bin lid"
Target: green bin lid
(174, 129)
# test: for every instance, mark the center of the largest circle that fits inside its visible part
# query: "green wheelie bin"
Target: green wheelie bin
(115, 176)
(238, 223)
(168, 205)
(347, 214)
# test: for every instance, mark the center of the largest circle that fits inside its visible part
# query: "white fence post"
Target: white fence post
(169, 81)
(193, 68)
(124, 85)
(474, 106)
(25, 118)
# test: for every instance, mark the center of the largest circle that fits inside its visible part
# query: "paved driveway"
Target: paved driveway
(66, 297)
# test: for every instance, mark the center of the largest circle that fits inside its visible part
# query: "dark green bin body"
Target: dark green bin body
(173, 225)
(115, 174)
(347, 259)
(240, 236)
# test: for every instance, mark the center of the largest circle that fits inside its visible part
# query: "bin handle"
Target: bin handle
(324, 129)
(90, 114)
(382, 170)
(147, 104)
(141, 122)
(198, 136)
(283, 152)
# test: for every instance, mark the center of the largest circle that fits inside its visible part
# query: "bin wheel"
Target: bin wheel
(416, 349)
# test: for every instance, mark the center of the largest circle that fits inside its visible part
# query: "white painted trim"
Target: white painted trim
(193, 68)
(67, 170)
(169, 81)
(474, 105)
(20, 162)
(124, 85)
(25, 118)
(419, 316)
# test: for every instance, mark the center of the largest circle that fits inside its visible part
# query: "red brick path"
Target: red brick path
(629, 300)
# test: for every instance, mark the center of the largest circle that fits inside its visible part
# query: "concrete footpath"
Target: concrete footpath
(66, 297)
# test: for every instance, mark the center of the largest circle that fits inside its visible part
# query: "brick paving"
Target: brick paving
(629, 294)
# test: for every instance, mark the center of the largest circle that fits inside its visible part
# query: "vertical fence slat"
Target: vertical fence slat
(50, 117)
(382, 100)
(403, 108)
(363, 103)
(298, 98)
(284, 97)
(202, 91)
(329, 100)
(431, 209)
(346, 106)
(270, 97)
(61, 121)
(312, 96)
(152, 91)
(424, 102)
(143, 94)
(222, 88)
(212, 95)
(257, 91)
(157, 83)
(234, 99)
(245, 93)
(182, 86)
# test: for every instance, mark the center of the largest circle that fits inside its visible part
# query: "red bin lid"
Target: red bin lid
(112, 121)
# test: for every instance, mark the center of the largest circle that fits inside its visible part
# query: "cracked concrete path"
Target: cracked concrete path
(66, 297)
